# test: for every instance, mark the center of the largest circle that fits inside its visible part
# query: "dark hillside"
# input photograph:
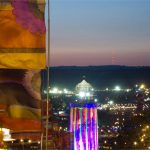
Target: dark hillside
(98, 76)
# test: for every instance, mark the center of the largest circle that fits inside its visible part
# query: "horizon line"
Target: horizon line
(99, 66)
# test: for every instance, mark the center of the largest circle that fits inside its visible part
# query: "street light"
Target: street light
(142, 86)
(111, 102)
(95, 100)
(55, 90)
(115, 142)
(117, 88)
(29, 141)
(135, 143)
(142, 140)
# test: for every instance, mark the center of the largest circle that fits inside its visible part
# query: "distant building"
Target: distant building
(84, 89)
(83, 86)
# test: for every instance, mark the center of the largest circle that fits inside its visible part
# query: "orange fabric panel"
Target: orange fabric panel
(13, 35)
(21, 47)
(21, 124)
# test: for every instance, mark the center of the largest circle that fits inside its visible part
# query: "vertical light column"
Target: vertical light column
(84, 127)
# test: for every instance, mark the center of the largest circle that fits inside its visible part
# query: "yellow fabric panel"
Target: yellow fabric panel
(6, 7)
(18, 111)
(22, 60)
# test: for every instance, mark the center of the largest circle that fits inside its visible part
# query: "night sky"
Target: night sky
(100, 32)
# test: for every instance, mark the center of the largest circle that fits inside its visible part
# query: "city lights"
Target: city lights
(95, 100)
(74, 75)
(142, 140)
(135, 143)
(142, 86)
(107, 100)
(30, 141)
(107, 89)
(45, 91)
(84, 95)
(6, 135)
(111, 102)
(81, 94)
(117, 88)
(65, 91)
(115, 142)
(55, 90)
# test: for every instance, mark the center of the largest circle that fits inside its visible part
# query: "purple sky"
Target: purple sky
(100, 32)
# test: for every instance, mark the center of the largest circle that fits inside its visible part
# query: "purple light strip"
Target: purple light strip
(84, 125)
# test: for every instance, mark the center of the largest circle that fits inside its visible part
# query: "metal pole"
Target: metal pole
(48, 77)
(41, 140)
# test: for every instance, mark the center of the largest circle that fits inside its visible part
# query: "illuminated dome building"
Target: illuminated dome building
(83, 119)
(84, 89)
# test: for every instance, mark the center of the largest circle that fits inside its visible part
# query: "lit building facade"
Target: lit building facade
(84, 127)
(84, 90)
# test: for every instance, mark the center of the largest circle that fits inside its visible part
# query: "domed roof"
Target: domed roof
(83, 86)
(84, 83)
